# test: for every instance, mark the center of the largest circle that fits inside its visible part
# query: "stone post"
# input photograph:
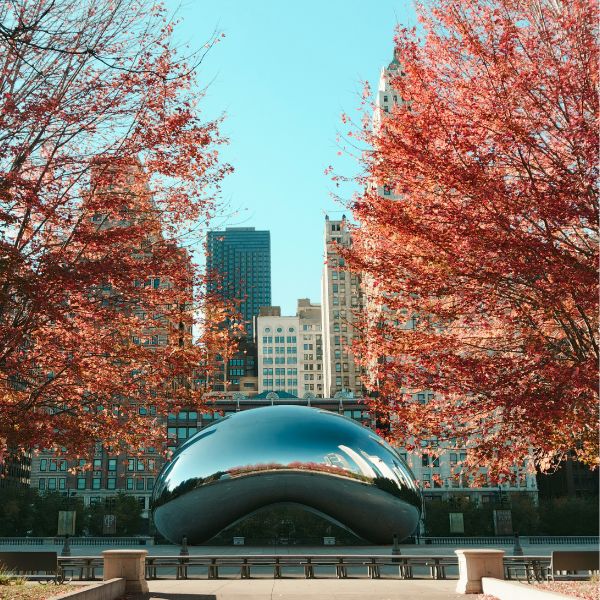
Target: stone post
(475, 564)
(129, 565)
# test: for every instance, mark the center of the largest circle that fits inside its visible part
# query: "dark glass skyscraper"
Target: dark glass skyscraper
(240, 259)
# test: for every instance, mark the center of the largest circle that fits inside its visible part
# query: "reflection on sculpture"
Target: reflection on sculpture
(286, 454)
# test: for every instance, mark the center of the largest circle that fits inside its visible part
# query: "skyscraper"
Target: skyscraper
(342, 297)
(239, 265)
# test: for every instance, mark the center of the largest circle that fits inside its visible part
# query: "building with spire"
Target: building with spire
(342, 299)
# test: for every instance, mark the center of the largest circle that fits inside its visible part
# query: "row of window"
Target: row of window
(280, 350)
(336, 301)
(279, 330)
(53, 464)
(338, 381)
(184, 415)
(311, 377)
(309, 387)
(280, 360)
(280, 371)
(60, 483)
(52, 483)
(181, 433)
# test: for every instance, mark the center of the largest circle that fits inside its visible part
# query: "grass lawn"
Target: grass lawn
(586, 590)
(35, 591)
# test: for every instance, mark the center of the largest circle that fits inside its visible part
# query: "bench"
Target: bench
(87, 565)
(531, 568)
(29, 564)
(572, 562)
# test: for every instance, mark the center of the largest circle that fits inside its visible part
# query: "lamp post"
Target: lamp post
(66, 549)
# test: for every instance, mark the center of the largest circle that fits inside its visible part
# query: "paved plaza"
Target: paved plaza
(301, 589)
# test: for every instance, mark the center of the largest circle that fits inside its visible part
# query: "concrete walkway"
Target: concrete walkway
(302, 589)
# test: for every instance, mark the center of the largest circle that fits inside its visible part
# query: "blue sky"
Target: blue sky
(283, 74)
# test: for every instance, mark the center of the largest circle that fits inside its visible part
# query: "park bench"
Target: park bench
(531, 568)
(37, 566)
(261, 561)
(181, 563)
(87, 565)
(573, 564)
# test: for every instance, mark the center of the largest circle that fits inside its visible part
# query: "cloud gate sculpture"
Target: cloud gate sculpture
(323, 461)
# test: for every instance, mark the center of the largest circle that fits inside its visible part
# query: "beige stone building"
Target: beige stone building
(342, 301)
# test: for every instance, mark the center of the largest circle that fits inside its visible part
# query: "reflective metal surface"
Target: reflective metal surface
(286, 454)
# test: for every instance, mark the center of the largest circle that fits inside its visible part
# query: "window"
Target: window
(130, 483)
(150, 483)
(97, 464)
(112, 464)
(139, 484)
(81, 483)
(387, 190)
(96, 483)
(43, 464)
(52, 465)
(131, 464)
(140, 464)
(111, 483)
(42, 484)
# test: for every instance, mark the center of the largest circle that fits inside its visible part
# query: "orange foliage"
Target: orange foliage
(105, 169)
(489, 242)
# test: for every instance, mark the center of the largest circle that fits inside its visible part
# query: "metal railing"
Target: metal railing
(509, 540)
(552, 540)
(76, 541)
(308, 565)
(469, 541)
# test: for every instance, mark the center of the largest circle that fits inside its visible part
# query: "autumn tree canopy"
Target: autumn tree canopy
(482, 260)
(106, 172)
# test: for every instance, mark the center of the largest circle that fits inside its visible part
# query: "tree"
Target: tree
(126, 510)
(482, 256)
(106, 169)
